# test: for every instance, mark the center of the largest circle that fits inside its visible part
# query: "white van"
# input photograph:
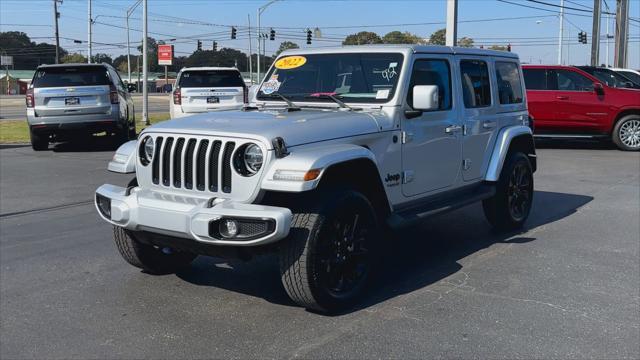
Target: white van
(203, 89)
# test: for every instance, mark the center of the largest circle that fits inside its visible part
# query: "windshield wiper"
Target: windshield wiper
(340, 103)
(290, 105)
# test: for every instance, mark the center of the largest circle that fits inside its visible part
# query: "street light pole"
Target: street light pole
(561, 34)
(129, 12)
(260, 11)
(451, 34)
(145, 65)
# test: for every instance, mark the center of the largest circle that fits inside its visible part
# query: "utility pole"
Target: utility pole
(622, 34)
(129, 12)
(452, 23)
(561, 34)
(89, 34)
(250, 61)
(145, 65)
(595, 34)
(56, 15)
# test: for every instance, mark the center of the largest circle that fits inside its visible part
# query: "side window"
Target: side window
(535, 79)
(572, 81)
(476, 88)
(509, 85)
(432, 72)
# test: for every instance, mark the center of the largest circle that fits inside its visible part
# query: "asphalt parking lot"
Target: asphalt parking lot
(567, 287)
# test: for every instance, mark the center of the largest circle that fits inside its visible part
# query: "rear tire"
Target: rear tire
(509, 208)
(148, 257)
(326, 261)
(626, 133)
(39, 142)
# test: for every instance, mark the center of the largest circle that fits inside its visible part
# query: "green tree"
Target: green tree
(285, 45)
(398, 37)
(152, 55)
(465, 42)
(102, 58)
(438, 37)
(74, 58)
(27, 55)
(362, 38)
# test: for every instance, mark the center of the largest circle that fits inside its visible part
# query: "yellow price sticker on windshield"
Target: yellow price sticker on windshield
(290, 62)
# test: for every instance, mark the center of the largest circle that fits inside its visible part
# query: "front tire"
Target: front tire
(149, 258)
(38, 141)
(509, 208)
(326, 260)
(626, 133)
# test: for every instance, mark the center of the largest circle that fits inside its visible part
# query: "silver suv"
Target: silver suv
(341, 144)
(70, 100)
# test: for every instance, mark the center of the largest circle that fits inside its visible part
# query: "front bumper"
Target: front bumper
(187, 217)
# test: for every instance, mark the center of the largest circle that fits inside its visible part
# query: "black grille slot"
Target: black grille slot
(166, 162)
(213, 165)
(177, 163)
(188, 164)
(226, 166)
(200, 164)
(155, 169)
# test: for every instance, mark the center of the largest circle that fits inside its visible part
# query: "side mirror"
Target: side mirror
(425, 97)
(598, 88)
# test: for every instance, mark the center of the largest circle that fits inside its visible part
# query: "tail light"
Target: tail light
(113, 94)
(246, 95)
(29, 98)
(177, 97)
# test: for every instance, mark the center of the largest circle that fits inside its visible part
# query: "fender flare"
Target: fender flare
(310, 158)
(501, 149)
(124, 160)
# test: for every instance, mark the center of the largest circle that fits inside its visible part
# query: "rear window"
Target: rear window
(476, 88)
(509, 86)
(71, 76)
(213, 78)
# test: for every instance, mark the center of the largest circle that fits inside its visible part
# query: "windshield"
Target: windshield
(211, 78)
(358, 78)
(71, 76)
(611, 78)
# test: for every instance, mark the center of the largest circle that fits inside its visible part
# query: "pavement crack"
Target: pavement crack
(44, 209)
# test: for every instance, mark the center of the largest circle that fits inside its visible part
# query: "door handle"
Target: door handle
(489, 124)
(452, 129)
(561, 97)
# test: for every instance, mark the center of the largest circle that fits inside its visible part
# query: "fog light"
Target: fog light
(228, 228)
(104, 205)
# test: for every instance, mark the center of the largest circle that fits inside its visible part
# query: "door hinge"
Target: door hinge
(407, 176)
(407, 137)
(466, 164)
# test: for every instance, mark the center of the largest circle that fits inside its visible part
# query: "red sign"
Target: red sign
(165, 54)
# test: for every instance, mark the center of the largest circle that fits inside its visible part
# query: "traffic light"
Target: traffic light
(272, 35)
(199, 45)
(233, 32)
(582, 37)
(215, 46)
(308, 37)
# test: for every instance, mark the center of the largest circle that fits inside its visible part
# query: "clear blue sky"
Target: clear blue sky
(534, 38)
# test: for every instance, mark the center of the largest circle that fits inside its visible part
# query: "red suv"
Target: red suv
(565, 101)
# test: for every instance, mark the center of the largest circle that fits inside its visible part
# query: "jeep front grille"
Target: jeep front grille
(193, 163)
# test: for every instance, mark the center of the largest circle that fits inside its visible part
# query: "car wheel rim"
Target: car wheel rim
(519, 192)
(630, 133)
(344, 258)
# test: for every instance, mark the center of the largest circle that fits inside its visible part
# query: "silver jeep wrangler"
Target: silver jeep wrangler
(338, 146)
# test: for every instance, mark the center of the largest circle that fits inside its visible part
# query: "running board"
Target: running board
(440, 204)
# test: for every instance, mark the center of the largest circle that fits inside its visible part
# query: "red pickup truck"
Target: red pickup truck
(565, 101)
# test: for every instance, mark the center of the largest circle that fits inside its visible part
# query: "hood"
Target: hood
(296, 127)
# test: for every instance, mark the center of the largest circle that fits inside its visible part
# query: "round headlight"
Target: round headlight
(253, 158)
(149, 148)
